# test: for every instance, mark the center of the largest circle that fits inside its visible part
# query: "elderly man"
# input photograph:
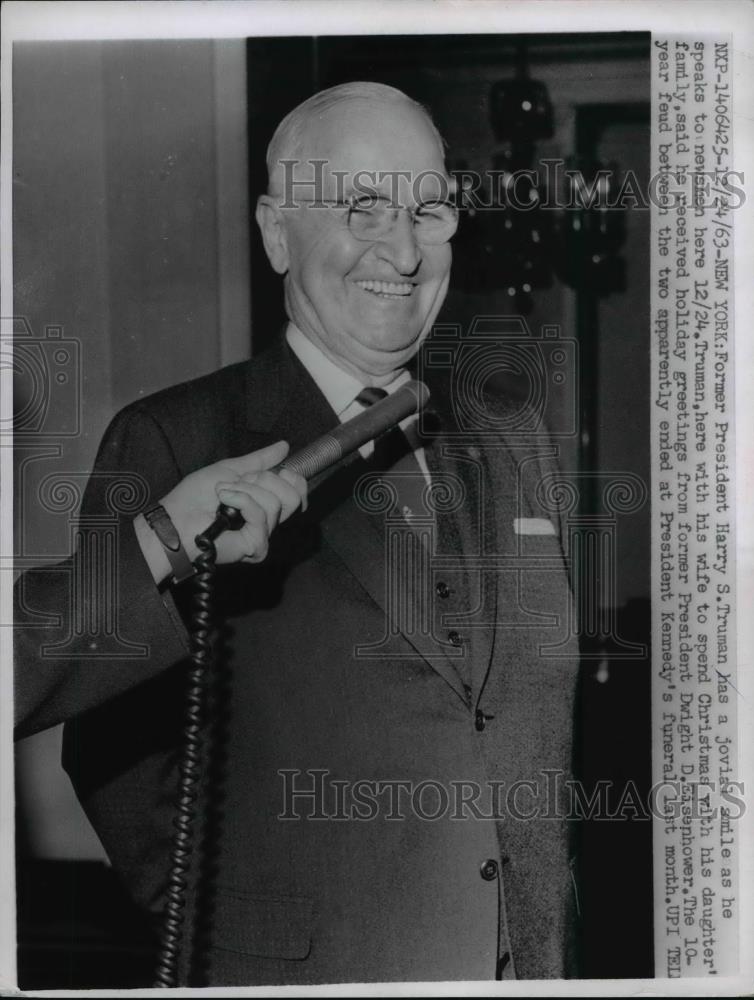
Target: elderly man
(386, 807)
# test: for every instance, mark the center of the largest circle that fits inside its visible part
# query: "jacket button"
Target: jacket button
(479, 721)
(455, 638)
(442, 589)
(488, 870)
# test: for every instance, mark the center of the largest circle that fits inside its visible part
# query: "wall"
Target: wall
(130, 235)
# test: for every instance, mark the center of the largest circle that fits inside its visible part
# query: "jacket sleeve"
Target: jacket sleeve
(105, 625)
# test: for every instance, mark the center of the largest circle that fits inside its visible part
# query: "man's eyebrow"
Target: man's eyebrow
(356, 196)
(367, 196)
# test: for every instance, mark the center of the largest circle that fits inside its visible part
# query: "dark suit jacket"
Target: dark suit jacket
(319, 686)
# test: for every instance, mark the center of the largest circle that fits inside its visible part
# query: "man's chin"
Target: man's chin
(391, 337)
(394, 351)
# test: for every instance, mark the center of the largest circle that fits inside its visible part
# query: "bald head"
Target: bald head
(295, 135)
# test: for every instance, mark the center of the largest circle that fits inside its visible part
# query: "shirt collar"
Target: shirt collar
(339, 387)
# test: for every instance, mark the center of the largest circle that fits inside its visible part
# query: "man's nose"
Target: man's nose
(400, 246)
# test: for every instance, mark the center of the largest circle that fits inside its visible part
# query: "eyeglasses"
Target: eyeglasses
(370, 218)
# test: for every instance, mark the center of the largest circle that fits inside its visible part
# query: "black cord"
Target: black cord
(191, 758)
(190, 766)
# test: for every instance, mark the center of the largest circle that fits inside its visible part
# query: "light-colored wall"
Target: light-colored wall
(131, 233)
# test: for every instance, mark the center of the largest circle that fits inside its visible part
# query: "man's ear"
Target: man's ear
(272, 226)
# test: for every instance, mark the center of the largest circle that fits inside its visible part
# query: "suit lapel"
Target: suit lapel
(296, 409)
(361, 541)
(357, 537)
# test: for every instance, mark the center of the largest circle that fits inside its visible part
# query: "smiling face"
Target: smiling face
(367, 304)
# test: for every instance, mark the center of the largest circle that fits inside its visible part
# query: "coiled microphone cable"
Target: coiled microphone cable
(184, 821)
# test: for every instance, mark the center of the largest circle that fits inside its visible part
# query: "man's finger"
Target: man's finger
(269, 501)
(277, 497)
(241, 499)
(290, 487)
(257, 461)
(299, 484)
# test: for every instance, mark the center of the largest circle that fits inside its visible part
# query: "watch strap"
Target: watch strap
(160, 522)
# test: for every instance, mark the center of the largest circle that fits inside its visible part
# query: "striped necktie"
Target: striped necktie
(395, 458)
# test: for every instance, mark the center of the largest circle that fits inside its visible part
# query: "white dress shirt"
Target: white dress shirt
(340, 389)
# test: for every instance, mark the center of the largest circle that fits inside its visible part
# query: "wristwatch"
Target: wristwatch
(159, 521)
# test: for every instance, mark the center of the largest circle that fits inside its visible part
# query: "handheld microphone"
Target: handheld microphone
(319, 456)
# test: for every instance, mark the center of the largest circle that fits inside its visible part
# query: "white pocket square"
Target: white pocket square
(533, 526)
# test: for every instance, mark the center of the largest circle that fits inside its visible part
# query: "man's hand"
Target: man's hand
(263, 497)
